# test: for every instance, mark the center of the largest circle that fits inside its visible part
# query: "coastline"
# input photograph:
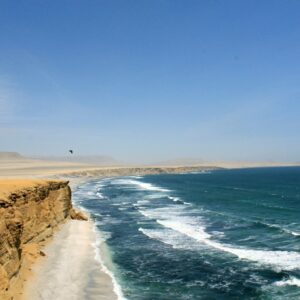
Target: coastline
(84, 273)
(70, 270)
(54, 256)
(73, 267)
(31, 212)
(65, 270)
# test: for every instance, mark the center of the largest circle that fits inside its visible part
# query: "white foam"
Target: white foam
(140, 203)
(178, 200)
(280, 260)
(154, 196)
(186, 229)
(148, 186)
(141, 185)
(116, 287)
(145, 214)
(99, 186)
(194, 228)
(99, 195)
(294, 233)
(151, 233)
(169, 237)
(175, 199)
(291, 281)
(100, 238)
(199, 172)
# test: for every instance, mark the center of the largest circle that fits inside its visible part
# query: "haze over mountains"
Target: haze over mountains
(108, 161)
(11, 156)
(85, 159)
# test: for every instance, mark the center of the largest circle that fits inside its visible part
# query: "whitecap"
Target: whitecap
(280, 260)
(145, 214)
(140, 203)
(292, 232)
(169, 237)
(99, 195)
(288, 231)
(116, 287)
(176, 199)
(194, 228)
(291, 281)
(141, 185)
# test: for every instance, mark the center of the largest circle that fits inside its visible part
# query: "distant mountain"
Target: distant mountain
(181, 162)
(102, 160)
(223, 164)
(11, 156)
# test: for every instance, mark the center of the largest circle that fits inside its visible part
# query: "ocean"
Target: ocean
(223, 234)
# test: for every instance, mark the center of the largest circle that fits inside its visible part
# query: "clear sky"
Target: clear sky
(149, 80)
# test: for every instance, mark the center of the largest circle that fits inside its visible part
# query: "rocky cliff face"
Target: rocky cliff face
(29, 213)
(139, 171)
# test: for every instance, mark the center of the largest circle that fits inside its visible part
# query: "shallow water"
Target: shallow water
(226, 234)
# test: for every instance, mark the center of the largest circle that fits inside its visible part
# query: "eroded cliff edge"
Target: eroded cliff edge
(30, 211)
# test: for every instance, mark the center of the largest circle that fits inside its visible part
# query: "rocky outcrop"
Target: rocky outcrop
(78, 215)
(138, 171)
(29, 213)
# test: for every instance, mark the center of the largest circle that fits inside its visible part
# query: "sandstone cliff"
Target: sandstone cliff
(29, 213)
(139, 171)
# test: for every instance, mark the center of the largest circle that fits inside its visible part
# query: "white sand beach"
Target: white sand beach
(69, 270)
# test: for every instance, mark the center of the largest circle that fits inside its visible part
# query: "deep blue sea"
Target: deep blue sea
(224, 234)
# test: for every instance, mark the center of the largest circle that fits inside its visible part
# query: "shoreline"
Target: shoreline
(101, 283)
(101, 252)
(102, 255)
(70, 270)
(65, 240)
(93, 280)
(31, 212)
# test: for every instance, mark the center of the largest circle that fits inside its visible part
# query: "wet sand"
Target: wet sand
(69, 271)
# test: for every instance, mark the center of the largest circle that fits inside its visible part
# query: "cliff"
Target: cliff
(30, 210)
(139, 171)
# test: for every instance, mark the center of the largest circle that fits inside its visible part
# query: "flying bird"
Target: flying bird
(71, 151)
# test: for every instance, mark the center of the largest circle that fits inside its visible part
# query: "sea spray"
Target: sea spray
(99, 243)
(100, 252)
(225, 235)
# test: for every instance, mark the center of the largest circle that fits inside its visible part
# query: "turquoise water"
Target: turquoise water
(226, 234)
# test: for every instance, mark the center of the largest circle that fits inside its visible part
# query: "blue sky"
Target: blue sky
(151, 80)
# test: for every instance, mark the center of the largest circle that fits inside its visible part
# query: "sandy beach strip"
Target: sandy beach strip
(69, 271)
